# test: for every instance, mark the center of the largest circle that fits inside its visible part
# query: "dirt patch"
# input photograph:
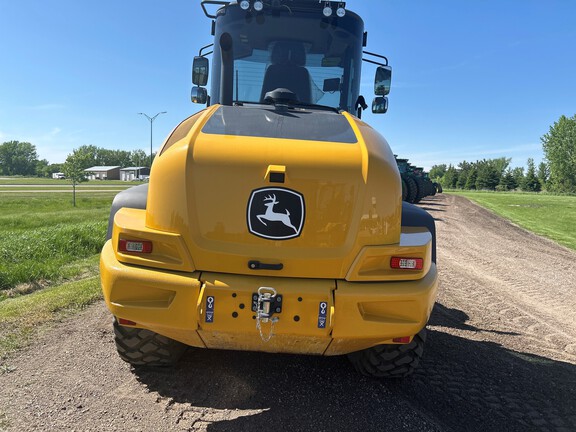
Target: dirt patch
(501, 355)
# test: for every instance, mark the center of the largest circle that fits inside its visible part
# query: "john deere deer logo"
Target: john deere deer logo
(271, 215)
(275, 213)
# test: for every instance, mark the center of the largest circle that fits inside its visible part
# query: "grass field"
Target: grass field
(551, 216)
(44, 239)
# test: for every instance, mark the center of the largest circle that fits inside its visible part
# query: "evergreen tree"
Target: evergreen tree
(471, 179)
(488, 176)
(507, 181)
(518, 174)
(531, 182)
(463, 172)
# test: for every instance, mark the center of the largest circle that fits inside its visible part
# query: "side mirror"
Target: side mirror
(199, 95)
(200, 71)
(380, 105)
(382, 80)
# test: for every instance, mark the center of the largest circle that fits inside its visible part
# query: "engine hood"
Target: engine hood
(293, 193)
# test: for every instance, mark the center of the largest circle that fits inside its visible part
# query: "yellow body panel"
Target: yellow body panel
(359, 314)
(338, 291)
(352, 193)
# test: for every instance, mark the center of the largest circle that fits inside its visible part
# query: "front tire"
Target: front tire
(141, 347)
(390, 361)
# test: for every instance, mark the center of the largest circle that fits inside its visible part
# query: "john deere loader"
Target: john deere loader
(273, 219)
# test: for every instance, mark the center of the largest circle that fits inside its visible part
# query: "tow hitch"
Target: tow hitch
(265, 303)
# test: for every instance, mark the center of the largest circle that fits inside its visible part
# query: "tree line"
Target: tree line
(21, 158)
(491, 174)
(557, 173)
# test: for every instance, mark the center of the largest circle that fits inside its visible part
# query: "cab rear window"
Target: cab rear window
(310, 125)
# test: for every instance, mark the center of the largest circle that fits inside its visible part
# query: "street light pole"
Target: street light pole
(151, 119)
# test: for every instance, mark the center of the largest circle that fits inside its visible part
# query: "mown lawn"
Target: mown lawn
(551, 216)
(44, 239)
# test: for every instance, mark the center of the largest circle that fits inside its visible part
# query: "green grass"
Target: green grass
(43, 238)
(24, 211)
(551, 216)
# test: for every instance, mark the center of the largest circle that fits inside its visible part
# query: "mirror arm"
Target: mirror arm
(203, 48)
(212, 2)
(373, 61)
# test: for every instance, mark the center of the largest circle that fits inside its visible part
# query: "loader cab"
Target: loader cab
(311, 49)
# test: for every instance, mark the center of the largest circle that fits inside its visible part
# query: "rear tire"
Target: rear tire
(390, 361)
(404, 190)
(420, 189)
(412, 189)
(141, 347)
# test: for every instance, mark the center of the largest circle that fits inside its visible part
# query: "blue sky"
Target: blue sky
(471, 79)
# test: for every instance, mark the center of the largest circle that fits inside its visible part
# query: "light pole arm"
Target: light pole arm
(151, 119)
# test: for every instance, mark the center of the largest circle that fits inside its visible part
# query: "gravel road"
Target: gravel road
(500, 356)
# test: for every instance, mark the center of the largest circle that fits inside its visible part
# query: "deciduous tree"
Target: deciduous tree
(18, 158)
(559, 146)
(74, 167)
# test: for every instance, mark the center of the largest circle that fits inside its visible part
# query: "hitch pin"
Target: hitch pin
(266, 296)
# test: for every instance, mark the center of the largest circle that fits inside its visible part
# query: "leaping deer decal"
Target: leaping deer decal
(271, 215)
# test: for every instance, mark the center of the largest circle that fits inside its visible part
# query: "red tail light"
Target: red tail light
(407, 263)
(123, 321)
(403, 339)
(135, 246)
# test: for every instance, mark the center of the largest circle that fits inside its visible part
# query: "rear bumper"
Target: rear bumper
(318, 316)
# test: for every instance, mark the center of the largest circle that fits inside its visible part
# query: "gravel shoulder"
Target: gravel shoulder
(501, 355)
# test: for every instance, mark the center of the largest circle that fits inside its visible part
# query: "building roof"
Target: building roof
(132, 168)
(101, 168)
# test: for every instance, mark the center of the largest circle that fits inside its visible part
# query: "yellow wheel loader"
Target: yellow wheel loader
(273, 219)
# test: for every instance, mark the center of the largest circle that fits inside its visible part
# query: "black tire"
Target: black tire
(412, 189)
(420, 189)
(141, 347)
(390, 361)
(404, 190)
(431, 188)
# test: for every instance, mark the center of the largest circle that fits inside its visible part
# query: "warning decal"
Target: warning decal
(322, 313)
(210, 309)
